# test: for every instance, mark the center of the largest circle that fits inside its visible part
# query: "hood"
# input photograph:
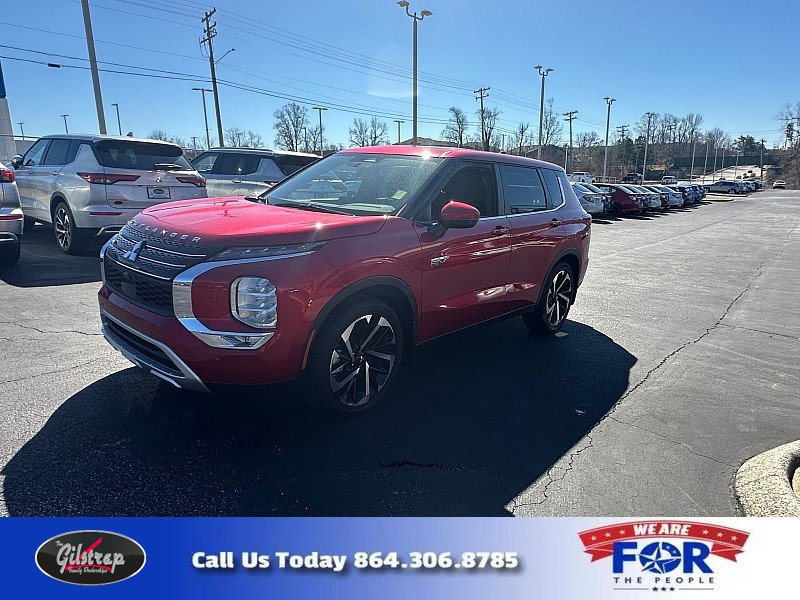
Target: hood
(239, 222)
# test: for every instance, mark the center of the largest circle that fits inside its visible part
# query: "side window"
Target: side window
(205, 163)
(474, 184)
(35, 153)
(555, 197)
(57, 153)
(74, 147)
(522, 189)
(236, 164)
(270, 170)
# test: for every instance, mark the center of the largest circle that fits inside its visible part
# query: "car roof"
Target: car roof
(260, 151)
(95, 137)
(446, 152)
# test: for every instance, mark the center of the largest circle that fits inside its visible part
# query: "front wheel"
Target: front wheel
(551, 312)
(355, 358)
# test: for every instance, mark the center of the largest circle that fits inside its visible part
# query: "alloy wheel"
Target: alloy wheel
(558, 299)
(63, 227)
(363, 360)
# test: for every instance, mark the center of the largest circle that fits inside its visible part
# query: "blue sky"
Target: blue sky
(731, 61)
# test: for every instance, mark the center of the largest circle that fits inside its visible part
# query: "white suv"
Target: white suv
(90, 185)
(582, 177)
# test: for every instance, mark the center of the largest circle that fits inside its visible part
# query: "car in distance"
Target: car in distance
(724, 187)
(592, 202)
(779, 184)
(247, 171)
(11, 218)
(668, 180)
(336, 291)
(582, 177)
(91, 185)
(623, 198)
(632, 178)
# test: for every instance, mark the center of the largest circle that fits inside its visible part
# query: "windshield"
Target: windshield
(357, 184)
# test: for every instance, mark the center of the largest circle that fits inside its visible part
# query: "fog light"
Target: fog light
(254, 302)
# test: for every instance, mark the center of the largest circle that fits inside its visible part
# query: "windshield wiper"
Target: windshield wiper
(312, 206)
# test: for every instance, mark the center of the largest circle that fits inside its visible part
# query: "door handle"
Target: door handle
(54, 173)
(500, 230)
(236, 181)
(555, 222)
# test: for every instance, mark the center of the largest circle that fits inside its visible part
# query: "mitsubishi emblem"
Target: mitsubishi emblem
(133, 253)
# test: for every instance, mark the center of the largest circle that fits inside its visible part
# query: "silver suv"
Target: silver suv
(90, 185)
(10, 217)
(247, 171)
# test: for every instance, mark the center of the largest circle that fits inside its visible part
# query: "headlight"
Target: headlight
(254, 302)
(268, 251)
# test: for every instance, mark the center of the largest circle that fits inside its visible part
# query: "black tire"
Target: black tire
(616, 210)
(27, 224)
(732, 190)
(9, 253)
(355, 358)
(68, 237)
(555, 301)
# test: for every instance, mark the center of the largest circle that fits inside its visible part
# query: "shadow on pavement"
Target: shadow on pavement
(42, 263)
(476, 419)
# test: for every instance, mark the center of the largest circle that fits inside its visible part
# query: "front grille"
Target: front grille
(146, 277)
(141, 289)
(144, 348)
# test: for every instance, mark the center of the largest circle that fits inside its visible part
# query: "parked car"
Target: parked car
(674, 198)
(724, 187)
(247, 171)
(337, 291)
(90, 185)
(11, 217)
(605, 194)
(668, 180)
(686, 192)
(592, 202)
(582, 177)
(623, 199)
(779, 184)
(652, 200)
(632, 178)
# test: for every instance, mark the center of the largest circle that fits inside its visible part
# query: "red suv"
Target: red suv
(336, 284)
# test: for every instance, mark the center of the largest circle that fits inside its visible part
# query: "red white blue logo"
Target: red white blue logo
(663, 556)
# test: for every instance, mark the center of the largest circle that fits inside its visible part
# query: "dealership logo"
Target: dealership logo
(90, 557)
(663, 556)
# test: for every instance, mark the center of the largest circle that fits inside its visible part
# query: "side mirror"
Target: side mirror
(458, 215)
(16, 162)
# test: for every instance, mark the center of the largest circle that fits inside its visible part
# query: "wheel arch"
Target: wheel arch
(391, 290)
(572, 258)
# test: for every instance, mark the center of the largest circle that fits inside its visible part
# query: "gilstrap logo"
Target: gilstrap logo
(90, 557)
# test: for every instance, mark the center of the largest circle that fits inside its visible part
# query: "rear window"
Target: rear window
(141, 156)
(290, 164)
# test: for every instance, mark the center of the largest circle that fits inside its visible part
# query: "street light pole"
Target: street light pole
(423, 14)
(691, 169)
(22, 131)
(716, 148)
(649, 116)
(544, 73)
(66, 128)
(398, 121)
(205, 114)
(319, 109)
(609, 101)
(119, 123)
(705, 164)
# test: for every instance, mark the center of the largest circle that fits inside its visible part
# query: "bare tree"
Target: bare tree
(456, 130)
(290, 121)
(374, 133)
(254, 140)
(521, 136)
(551, 125)
(160, 134)
(488, 119)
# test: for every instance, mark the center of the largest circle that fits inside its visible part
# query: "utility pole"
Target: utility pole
(646, 138)
(691, 169)
(398, 121)
(609, 101)
(481, 95)
(621, 130)
(211, 32)
(319, 109)
(705, 164)
(763, 141)
(98, 95)
(570, 117)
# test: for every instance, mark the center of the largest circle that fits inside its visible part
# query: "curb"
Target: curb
(763, 484)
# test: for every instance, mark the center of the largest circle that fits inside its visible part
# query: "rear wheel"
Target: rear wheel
(616, 210)
(68, 236)
(732, 191)
(355, 358)
(9, 252)
(553, 308)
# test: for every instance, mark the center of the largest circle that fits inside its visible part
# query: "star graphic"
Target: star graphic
(672, 589)
(719, 535)
(705, 531)
(734, 538)
(663, 589)
(655, 589)
(608, 534)
(594, 538)
(622, 532)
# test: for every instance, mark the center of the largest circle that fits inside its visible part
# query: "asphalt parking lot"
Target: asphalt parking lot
(678, 363)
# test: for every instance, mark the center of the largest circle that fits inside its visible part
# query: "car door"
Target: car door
(229, 171)
(54, 160)
(204, 164)
(464, 271)
(537, 229)
(260, 176)
(26, 176)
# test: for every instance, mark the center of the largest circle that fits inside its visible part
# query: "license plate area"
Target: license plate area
(158, 193)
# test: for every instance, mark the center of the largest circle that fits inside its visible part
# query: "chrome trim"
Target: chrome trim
(7, 236)
(109, 229)
(182, 302)
(145, 273)
(158, 262)
(189, 381)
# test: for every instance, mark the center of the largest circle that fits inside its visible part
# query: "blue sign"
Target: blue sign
(2, 83)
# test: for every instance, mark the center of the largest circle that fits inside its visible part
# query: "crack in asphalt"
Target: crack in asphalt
(31, 328)
(62, 370)
(784, 335)
(610, 414)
